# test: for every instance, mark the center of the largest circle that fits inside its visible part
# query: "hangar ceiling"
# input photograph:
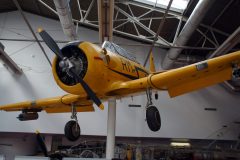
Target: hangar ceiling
(140, 21)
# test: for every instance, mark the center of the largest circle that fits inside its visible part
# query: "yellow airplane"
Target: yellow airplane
(90, 73)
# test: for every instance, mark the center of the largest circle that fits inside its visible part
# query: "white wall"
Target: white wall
(182, 117)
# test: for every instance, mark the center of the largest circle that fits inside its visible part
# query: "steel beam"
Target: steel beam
(173, 13)
(228, 44)
(177, 31)
(88, 10)
(151, 7)
(142, 38)
(47, 6)
(8, 61)
(105, 19)
(207, 38)
(80, 9)
(136, 29)
(214, 21)
(160, 39)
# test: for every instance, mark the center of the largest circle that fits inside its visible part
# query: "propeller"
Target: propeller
(41, 143)
(54, 47)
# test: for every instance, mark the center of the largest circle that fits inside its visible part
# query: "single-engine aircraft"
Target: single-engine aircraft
(92, 74)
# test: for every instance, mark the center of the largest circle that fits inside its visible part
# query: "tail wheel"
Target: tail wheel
(153, 118)
(72, 130)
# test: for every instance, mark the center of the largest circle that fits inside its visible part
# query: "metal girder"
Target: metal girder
(173, 13)
(48, 7)
(8, 61)
(212, 30)
(80, 9)
(206, 37)
(88, 10)
(151, 7)
(135, 20)
(177, 31)
(130, 18)
(228, 44)
(105, 19)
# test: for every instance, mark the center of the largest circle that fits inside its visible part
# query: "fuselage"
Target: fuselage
(101, 71)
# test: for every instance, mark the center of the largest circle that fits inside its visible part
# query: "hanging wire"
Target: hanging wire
(3, 23)
(158, 32)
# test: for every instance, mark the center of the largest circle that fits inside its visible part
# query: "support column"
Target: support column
(111, 126)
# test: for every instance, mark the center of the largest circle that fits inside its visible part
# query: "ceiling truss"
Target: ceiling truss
(123, 17)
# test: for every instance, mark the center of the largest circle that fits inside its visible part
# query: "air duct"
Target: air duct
(65, 16)
(190, 26)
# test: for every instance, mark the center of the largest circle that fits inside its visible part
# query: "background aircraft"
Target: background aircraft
(91, 74)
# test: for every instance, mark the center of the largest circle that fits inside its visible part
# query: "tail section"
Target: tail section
(151, 64)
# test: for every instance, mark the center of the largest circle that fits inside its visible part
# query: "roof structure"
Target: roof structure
(140, 21)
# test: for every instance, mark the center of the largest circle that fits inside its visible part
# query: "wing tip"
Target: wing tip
(101, 106)
(40, 29)
(37, 132)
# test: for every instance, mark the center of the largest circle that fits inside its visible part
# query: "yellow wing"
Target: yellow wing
(53, 105)
(185, 79)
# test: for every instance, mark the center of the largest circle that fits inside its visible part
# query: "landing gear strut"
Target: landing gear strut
(72, 129)
(152, 114)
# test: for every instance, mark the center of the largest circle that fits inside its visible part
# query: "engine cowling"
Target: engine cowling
(78, 59)
(81, 54)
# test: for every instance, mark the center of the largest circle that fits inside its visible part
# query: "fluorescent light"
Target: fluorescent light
(180, 144)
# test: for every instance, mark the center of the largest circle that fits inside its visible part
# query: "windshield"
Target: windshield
(118, 50)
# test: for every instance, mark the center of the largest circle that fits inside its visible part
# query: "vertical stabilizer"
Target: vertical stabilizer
(151, 63)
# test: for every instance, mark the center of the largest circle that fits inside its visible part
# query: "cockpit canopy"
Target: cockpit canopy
(112, 47)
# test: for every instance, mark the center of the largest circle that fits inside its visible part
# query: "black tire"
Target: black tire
(153, 118)
(72, 132)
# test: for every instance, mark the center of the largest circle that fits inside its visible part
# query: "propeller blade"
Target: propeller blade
(89, 91)
(41, 144)
(50, 42)
(54, 47)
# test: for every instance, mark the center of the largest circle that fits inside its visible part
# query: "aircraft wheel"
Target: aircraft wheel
(153, 118)
(72, 130)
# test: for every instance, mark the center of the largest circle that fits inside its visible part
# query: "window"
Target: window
(177, 5)
(118, 50)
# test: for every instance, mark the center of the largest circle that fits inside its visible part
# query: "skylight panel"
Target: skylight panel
(177, 5)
